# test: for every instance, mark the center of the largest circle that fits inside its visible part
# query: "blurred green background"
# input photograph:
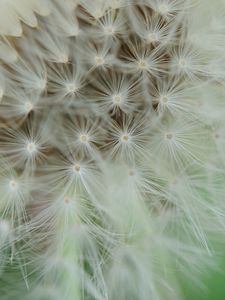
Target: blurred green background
(214, 282)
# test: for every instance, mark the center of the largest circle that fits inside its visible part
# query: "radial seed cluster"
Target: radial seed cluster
(112, 147)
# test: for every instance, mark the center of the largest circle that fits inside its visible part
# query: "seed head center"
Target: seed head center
(99, 60)
(117, 99)
(67, 200)
(109, 30)
(31, 147)
(125, 138)
(13, 185)
(183, 63)
(71, 88)
(142, 64)
(152, 37)
(76, 168)
(169, 136)
(83, 138)
(164, 99)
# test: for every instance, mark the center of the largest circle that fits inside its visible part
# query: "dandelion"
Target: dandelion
(112, 139)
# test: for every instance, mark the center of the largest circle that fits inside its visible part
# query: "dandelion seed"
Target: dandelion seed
(83, 135)
(66, 82)
(111, 25)
(168, 9)
(19, 104)
(116, 92)
(179, 142)
(15, 192)
(140, 59)
(188, 63)
(24, 147)
(127, 142)
(151, 28)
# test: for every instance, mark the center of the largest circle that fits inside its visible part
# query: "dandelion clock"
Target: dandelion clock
(112, 142)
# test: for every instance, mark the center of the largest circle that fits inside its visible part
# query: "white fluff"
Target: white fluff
(112, 144)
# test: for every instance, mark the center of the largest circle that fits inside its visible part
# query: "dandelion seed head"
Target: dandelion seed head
(109, 30)
(125, 138)
(117, 99)
(13, 185)
(112, 134)
(164, 99)
(71, 88)
(99, 60)
(142, 64)
(152, 37)
(31, 148)
(183, 63)
(169, 136)
(76, 168)
(84, 138)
